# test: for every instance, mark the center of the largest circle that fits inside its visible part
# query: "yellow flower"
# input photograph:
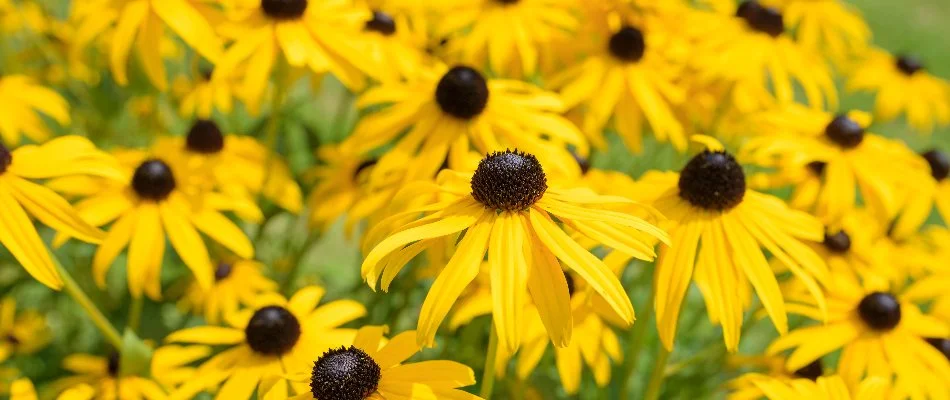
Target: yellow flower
(506, 209)
(708, 202)
(625, 79)
(902, 86)
(343, 187)
(320, 35)
(375, 368)
(23, 333)
(923, 196)
(16, 17)
(838, 149)
(149, 202)
(511, 37)
(235, 283)
(202, 95)
(755, 386)
(141, 24)
(20, 198)
(21, 102)
(752, 49)
(880, 334)
(276, 337)
(831, 26)
(396, 37)
(22, 389)
(448, 111)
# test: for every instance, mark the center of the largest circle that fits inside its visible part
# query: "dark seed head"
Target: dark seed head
(628, 44)
(223, 271)
(909, 65)
(12, 339)
(6, 158)
(939, 164)
(763, 19)
(713, 180)
(509, 181)
(880, 311)
(153, 180)
(570, 283)
(382, 23)
(284, 9)
(462, 93)
(347, 373)
(817, 168)
(941, 344)
(205, 137)
(845, 132)
(838, 242)
(811, 371)
(113, 364)
(272, 331)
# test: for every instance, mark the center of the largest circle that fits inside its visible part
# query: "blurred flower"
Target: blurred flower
(23, 333)
(755, 386)
(880, 334)
(342, 186)
(201, 95)
(372, 368)
(20, 198)
(396, 38)
(276, 337)
(236, 283)
(507, 208)
(21, 103)
(708, 202)
(922, 196)
(902, 86)
(830, 26)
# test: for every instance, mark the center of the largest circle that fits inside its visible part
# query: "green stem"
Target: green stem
(135, 313)
(658, 376)
(636, 344)
(73, 290)
(488, 377)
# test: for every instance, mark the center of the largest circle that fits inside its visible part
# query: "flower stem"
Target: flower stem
(135, 313)
(636, 344)
(658, 376)
(488, 377)
(73, 290)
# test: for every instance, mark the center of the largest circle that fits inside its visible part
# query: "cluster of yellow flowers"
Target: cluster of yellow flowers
(474, 159)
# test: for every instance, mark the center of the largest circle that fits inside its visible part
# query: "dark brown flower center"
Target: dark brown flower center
(760, 18)
(462, 93)
(713, 180)
(153, 180)
(346, 373)
(628, 44)
(205, 137)
(509, 181)
(909, 65)
(939, 164)
(112, 366)
(845, 132)
(272, 331)
(284, 9)
(6, 158)
(880, 311)
(838, 242)
(382, 23)
(811, 371)
(223, 271)
(817, 167)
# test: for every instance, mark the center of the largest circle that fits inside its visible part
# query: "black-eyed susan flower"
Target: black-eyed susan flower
(152, 201)
(25, 332)
(507, 209)
(23, 389)
(879, 334)
(625, 80)
(21, 102)
(236, 283)
(510, 37)
(452, 110)
(396, 37)
(343, 186)
(239, 167)
(902, 86)
(20, 198)
(753, 386)
(274, 338)
(710, 205)
(752, 50)
(837, 149)
(323, 36)
(98, 377)
(141, 25)
(370, 367)
(833, 27)
(200, 96)
(922, 197)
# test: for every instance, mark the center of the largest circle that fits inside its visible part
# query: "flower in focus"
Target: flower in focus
(147, 203)
(507, 209)
(373, 368)
(902, 86)
(755, 386)
(831, 26)
(837, 149)
(709, 204)
(141, 25)
(23, 333)
(880, 334)
(21, 103)
(236, 283)
(20, 198)
(276, 336)
(511, 37)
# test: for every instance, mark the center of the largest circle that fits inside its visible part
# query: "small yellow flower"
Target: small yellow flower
(21, 333)
(236, 283)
